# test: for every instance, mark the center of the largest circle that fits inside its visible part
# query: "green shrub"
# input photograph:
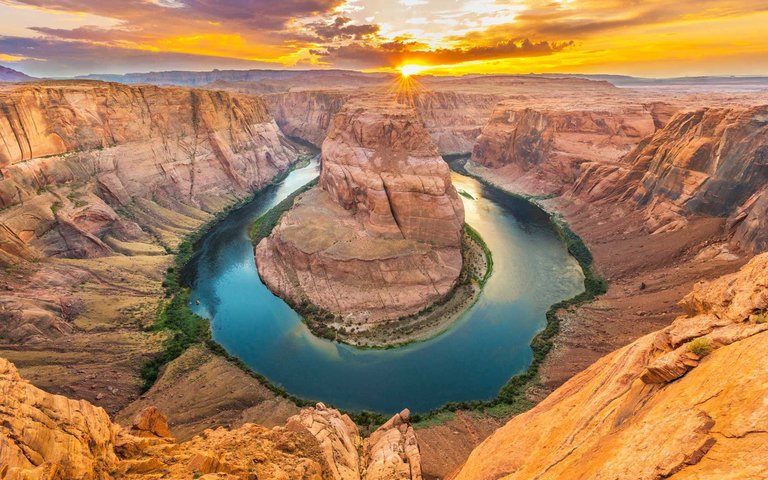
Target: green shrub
(55, 207)
(700, 346)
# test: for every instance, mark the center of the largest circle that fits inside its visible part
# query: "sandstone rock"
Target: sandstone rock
(122, 142)
(306, 114)
(378, 160)
(606, 422)
(392, 450)
(49, 437)
(150, 421)
(338, 437)
(381, 236)
(705, 162)
(546, 147)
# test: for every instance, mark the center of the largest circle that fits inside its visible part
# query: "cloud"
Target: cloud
(341, 28)
(400, 52)
(43, 57)
(135, 35)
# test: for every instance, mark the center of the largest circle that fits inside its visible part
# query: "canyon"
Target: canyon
(101, 182)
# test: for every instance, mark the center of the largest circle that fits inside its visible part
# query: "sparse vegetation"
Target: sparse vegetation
(55, 207)
(466, 194)
(187, 328)
(174, 316)
(761, 317)
(700, 346)
(264, 225)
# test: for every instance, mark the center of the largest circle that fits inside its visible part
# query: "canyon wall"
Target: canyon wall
(306, 114)
(687, 401)
(381, 236)
(100, 183)
(709, 162)
(73, 153)
(671, 166)
(543, 148)
(44, 436)
(453, 119)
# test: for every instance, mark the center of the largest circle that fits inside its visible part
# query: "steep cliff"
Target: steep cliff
(74, 152)
(709, 162)
(51, 437)
(380, 238)
(454, 119)
(543, 148)
(306, 114)
(687, 401)
(100, 182)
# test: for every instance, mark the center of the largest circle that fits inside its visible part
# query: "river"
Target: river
(471, 360)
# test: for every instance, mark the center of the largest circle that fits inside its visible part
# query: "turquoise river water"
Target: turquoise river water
(471, 360)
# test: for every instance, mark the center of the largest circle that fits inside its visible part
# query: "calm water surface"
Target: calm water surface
(472, 360)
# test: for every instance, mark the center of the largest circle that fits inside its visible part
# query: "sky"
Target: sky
(652, 38)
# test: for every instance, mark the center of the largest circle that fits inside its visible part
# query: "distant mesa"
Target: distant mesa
(11, 75)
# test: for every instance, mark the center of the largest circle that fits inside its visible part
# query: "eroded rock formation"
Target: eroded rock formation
(687, 401)
(545, 148)
(306, 114)
(381, 236)
(72, 153)
(51, 437)
(98, 185)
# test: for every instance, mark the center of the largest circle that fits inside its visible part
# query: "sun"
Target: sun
(408, 70)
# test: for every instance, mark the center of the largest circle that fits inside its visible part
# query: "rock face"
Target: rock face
(544, 148)
(51, 436)
(706, 162)
(454, 120)
(109, 144)
(710, 162)
(381, 236)
(44, 436)
(306, 114)
(687, 401)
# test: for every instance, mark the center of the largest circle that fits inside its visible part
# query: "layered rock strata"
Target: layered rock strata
(544, 148)
(381, 236)
(99, 184)
(687, 401)
(51, 437)
(711, 162)
(73, 153)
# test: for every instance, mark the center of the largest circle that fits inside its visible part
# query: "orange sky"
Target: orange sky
(644, 38)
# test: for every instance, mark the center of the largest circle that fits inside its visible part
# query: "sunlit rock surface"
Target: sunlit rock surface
(660, 407)
(381, 236)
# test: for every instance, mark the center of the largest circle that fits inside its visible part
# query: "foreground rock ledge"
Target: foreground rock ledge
(51, 437)
(380, 238)
(687, 401)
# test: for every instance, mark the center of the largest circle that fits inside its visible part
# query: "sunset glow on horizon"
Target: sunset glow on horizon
(436, 37)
